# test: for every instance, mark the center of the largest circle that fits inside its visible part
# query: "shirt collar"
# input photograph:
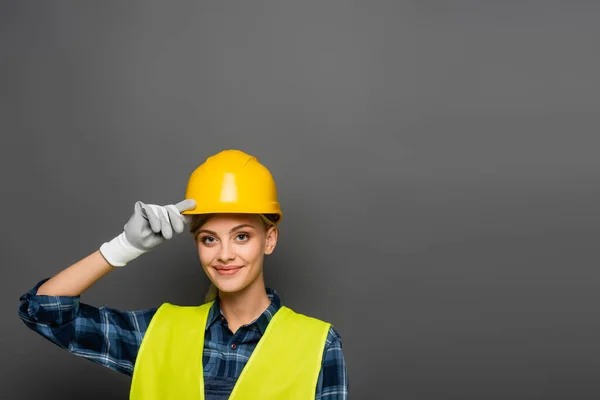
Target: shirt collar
(262, 321)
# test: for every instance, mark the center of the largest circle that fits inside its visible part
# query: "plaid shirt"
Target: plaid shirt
(112, 338)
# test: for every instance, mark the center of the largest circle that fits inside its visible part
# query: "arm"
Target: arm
(77, 278)
(103, 335)
(333, 377)
(149, 226)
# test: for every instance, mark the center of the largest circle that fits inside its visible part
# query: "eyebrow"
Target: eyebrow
(235, 228)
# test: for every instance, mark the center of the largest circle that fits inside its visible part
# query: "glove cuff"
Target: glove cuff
(118, 252)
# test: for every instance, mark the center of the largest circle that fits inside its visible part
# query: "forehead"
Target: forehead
(227, 221)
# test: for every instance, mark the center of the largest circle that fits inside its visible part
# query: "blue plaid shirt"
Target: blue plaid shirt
(112, 338)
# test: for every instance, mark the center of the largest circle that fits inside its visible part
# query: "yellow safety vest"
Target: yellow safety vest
(284, 365)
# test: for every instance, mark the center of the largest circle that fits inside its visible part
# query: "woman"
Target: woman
(241, 344)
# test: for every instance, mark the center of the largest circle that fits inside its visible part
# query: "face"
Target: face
(232, 249)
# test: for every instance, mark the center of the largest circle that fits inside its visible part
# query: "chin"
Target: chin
(230, 285)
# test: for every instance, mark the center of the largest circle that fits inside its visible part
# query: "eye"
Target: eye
(244, 236)
(207, 239)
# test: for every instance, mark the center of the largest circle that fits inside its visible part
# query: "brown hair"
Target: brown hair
(198, 220)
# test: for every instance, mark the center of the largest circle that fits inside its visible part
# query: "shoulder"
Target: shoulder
(304, 317)
(175, 313)
(334, 337)
(183, 308)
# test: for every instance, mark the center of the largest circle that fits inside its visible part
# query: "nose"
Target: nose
(226, 252)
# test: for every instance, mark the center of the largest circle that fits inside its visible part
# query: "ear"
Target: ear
(271, 239)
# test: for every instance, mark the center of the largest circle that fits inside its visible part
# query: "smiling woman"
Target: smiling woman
(250, 234)
(242, 343)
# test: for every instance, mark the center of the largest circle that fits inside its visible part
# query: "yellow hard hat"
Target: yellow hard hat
(233, 182)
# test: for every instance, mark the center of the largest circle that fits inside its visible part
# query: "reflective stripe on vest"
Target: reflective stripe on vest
(284, 365)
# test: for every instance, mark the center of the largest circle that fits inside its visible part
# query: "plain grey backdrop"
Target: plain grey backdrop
(437, 164)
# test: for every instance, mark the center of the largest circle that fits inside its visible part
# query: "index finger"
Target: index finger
(186, 205)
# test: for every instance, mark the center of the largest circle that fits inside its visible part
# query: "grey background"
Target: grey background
(437, 163)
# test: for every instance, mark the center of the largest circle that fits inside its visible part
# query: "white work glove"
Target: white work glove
(149, 226)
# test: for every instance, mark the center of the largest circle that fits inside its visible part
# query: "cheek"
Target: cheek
(206, 254)
(250, 252)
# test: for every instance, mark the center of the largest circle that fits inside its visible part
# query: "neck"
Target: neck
(241, 308)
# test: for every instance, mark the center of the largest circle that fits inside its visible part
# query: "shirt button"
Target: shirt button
(233, 346)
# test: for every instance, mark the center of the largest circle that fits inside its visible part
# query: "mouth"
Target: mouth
(227, 269)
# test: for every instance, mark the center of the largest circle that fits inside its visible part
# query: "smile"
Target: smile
(228, 270)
